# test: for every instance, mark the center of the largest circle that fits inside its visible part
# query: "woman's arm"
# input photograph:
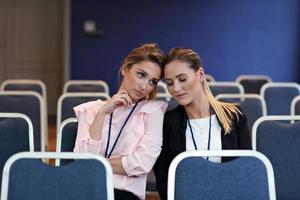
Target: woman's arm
(91, 117)
(162, 164)
(141, 161)
(119, 99)
(117, 167)
(97, 125)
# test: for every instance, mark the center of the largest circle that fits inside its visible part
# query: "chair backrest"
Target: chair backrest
(253, 105)
(65, 138)
(16, 135)
(250, 176)
(253, 83)
(163, 97)
(86, 86)
(68, 101)
(31, 104)
(161, 87)
(295, 106)
(225, 88)
(25, 85)
(280, 142)
(172, 103)
(25, 176)
(278, 97)
(210, 78)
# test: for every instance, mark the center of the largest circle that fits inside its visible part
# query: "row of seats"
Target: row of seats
(278, 142)
(276, 99)
(250, 176)
(80, 99)
(250, 84)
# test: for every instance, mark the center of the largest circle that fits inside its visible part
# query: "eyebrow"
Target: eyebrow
(176, 76)
(148, 74)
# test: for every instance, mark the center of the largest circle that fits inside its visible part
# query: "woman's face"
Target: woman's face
(184, 83)
(140, 79)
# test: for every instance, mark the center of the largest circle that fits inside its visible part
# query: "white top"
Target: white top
(201, 129)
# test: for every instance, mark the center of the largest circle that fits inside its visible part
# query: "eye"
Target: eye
(153, 83)
(169, 83)
(182, 79)
(141, 75)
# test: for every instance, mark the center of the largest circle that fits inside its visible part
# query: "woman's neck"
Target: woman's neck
(199, 108)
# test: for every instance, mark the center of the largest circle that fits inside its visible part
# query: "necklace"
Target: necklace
(209, 132)
(108, 154)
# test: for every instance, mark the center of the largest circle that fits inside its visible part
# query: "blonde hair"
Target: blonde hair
(147, 52)
(224, 111)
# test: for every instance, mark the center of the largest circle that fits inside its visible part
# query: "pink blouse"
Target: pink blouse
(139, 144)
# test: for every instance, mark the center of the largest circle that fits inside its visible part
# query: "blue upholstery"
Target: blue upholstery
(28, 105)
(160, 89)
(253, 85)
(68, 138)
(253, 110)
(24, 87)
(278, 99)
(14, 137)
(172, 104)
(280, 142)
(218, 89)
(69, 133)
(86, 88)
(31, 179)
(243, 178)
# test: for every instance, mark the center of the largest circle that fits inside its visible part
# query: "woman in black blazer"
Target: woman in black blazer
(200, 122)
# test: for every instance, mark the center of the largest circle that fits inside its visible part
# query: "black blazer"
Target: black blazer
(174, 143)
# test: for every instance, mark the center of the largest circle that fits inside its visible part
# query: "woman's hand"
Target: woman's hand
(120, 99)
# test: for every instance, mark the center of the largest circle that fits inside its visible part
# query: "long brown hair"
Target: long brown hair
(224, 111)
(147, 52)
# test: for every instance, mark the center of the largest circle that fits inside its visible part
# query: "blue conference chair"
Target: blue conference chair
(65, 142)
(16, 135)
(209, 78)
(225, 88)
(278, 97)
(280, 142)
(253, 105)
(250, 176)
(86, 86)
(253, 83)
(65, 139)
(68, 101)
(295, 106)
(31, 104)
(26, 177)
(25, 85)
(161, 88)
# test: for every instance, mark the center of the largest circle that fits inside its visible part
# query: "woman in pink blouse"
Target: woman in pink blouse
(127, 128)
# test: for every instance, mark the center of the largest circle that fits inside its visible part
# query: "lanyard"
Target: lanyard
(107, 155)
(209, 132)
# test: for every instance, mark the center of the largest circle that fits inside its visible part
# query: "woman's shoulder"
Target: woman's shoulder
(175, 113)
(151, 106)
(89, 106)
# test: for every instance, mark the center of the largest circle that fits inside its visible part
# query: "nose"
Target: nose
(176, 87)
(143, 84)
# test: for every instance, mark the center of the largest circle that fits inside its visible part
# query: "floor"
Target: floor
(52, 146)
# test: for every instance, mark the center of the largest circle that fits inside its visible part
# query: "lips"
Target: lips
(139, 93)
(180, 96)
